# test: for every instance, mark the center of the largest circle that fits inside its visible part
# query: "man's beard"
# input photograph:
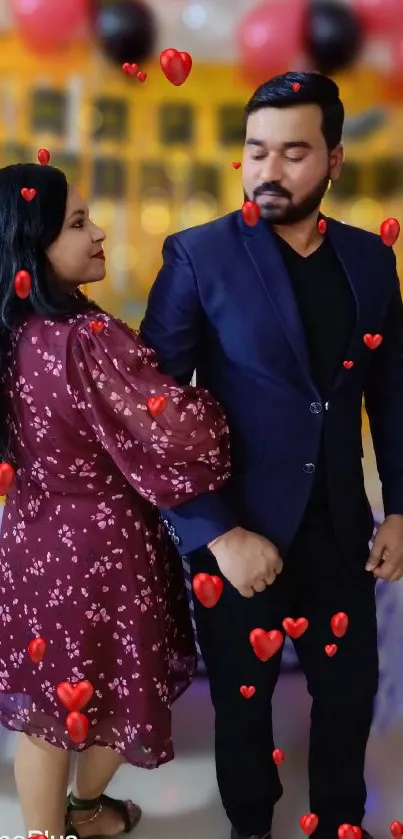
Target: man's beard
(291, 213)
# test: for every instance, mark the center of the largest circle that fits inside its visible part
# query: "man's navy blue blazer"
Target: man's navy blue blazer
(223, 305)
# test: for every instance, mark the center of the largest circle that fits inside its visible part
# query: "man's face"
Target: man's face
(286, 163)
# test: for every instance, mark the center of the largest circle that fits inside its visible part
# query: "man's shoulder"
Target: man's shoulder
(210, 231)
(359, 235)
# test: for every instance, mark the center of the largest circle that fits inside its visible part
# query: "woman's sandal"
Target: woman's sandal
(131, 819)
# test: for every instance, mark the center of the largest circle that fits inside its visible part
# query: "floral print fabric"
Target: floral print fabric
(85, 562)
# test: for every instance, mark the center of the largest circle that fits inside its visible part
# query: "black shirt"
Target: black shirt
(328, 312)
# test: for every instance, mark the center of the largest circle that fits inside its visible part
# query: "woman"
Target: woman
(85, 563)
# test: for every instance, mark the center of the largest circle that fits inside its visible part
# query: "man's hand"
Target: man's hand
(386, 557)
(248, 561)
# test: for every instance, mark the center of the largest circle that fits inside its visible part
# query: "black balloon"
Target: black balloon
(334, 35)
(126, 30)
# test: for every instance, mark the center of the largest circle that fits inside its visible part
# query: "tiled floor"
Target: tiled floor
(181, 801)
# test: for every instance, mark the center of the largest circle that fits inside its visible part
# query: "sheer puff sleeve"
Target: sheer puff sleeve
(170, 443)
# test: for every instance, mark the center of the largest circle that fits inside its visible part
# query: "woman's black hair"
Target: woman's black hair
(291, 89)
(26, 231)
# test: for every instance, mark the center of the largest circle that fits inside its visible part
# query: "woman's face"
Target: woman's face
(76, 257)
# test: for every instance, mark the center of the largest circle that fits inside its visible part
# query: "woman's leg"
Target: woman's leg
(95, 768)
(41, 774)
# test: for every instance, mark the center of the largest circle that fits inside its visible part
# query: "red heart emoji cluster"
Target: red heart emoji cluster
(75, 697)
(309, 823)
(129, 69)
(7, 477)
(22, 284)
(77, 726)
(236, 164)
(348, 364)
(208, 589)
(28, 194)
(156, 405)
(331, 650)
(266, 644)
(176, 66)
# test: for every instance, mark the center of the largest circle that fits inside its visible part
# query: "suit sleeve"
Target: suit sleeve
(172, 327)
(384, 402)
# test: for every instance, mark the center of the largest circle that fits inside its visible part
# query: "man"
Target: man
(273, 319)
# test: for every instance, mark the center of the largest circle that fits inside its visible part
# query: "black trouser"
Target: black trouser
(316, 582)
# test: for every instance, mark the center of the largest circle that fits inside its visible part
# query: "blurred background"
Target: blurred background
(151, 157)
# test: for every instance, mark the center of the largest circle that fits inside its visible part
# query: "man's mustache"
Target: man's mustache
(274, 189)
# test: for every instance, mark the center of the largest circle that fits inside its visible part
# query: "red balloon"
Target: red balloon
(271, 36)
(46, 25)
(379, 17)
(77, 726)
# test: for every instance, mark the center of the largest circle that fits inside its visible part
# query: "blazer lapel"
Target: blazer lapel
(353, 261)
(261, 246)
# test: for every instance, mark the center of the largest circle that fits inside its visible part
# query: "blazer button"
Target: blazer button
(315, 408)
(309, 468)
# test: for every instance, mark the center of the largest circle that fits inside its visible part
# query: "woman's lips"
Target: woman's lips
(99, 255)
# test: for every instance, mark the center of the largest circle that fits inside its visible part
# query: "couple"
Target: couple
(275, 319)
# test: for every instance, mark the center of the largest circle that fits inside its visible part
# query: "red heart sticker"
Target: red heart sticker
(295, 628)
(266, 644)
(247, 691)
(77, 726)
(37, 649)
(396, 829)
(75, 697)
(7, 476)
(96, 326)
(296, 87)
(322, 226)
(372, 341)
(22, 284)
(339, 624)
(28, 194)
(208, 589)
(309, 823)
(250, 213)
(348, 364)
(141, 76)
(176, 65)
(346, 831)
(43, 157)
(390, 230)
(129, 69)
(278, 757)
(156, 405)
(331, 650)
(236, 164)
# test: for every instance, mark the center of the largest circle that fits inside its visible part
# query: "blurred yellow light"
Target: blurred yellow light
(155, 217)
(199, 209)
(366, 213)
(103, 212)
(123, 257)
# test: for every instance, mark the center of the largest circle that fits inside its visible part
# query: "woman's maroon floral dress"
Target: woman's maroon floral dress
(85, 562)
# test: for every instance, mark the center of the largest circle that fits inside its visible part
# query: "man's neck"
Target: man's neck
(303, 236)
